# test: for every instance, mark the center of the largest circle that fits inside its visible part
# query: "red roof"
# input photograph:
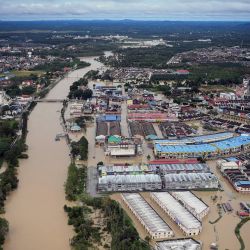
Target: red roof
(174, 161)
(149, 115)
(182, 71)
(138, 106)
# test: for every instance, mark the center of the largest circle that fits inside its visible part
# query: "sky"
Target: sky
(206, 10)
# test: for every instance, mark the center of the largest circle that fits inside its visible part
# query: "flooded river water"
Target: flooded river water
(35, 209)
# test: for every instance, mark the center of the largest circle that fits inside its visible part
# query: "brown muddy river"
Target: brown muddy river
(35, 209)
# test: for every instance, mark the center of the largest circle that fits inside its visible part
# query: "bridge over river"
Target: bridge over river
(50, 100)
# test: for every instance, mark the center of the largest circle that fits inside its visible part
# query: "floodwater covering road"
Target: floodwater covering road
(35, 209)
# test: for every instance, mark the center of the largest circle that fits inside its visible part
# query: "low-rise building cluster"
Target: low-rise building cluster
(154, 225)
(182, 214)
(155, 176)
(215, 146)
(236, 172)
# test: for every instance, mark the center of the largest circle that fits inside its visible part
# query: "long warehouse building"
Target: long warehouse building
(130, 182)
(192, 203)
(209, 150)
(189, 224)
(196, 139)
(178, 244)
(155, 226)
(190, 181)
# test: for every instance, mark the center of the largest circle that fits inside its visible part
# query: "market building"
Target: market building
(129, 182)
(178, 244)
(164, 149)
(192, 203)
(155, 226)
(188, 181)
(189, 224)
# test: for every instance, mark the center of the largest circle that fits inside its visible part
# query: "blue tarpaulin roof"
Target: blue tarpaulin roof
(228, 144)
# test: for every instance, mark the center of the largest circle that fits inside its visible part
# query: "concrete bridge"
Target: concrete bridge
(50, 100)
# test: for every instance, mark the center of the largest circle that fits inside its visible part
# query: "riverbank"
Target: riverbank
(35, 210)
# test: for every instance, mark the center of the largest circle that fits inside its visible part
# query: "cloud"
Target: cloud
(120, 9)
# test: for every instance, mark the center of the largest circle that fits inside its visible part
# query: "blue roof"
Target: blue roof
(198, 139)
(242, 183)
(232, 159)
(112, 117)
(151, 137)
(231, 143)
(186, 148)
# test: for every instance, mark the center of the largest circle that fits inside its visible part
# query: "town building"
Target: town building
(192, 203)
(125, 169)
(150, 117)
(238, 177)
(188, 181)
(189, 224)
(224, 165)
(101, 132)
(178, 244)
(196, 139)
(135, 129)
(179, 168)
(154, 225)
(129, 182)
(228, 96)
(164, 149)
(127, 147)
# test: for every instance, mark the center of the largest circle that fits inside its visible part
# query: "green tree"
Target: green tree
(4, 229)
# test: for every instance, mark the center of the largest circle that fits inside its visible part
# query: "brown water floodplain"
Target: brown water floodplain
(35, 209)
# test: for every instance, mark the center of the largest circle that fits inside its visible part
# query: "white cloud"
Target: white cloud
(119, 9)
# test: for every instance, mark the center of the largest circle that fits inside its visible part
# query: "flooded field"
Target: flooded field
(35, 209)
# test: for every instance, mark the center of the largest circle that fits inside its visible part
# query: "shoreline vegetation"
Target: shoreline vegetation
(12, 148)
(113, 231)
(12, 154)
(237, 232)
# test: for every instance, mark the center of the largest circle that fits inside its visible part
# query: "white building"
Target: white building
(4, 99)
(146, 215)
(246, 82)
(76, 109)
(24, 99)
(190, 181)
(189, 224)
(228, 96)
(178, 244)
(192, 203)
(224, 165)
(129, 182)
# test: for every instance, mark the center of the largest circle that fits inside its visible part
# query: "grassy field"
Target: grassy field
(20, 73)
(216, 88)
(222, 71)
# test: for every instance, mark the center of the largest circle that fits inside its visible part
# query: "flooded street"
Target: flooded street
(35, 209)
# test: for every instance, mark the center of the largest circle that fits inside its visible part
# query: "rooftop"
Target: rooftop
(191, 200)
(181, 214)
(196, 139)
(146, 213)
(189, 177)
(122, 179)
(205, 148)
(178, 244)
